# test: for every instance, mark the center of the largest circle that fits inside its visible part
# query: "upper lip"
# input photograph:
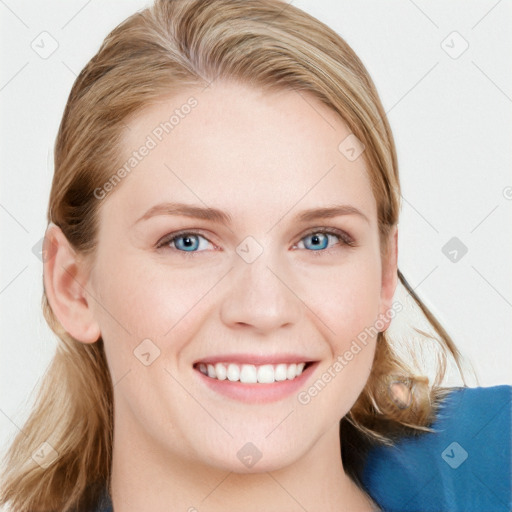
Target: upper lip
(256, 359)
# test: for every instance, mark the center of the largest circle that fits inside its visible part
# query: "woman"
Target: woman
(219, 266)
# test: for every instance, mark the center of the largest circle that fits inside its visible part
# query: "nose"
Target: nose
(259, 296)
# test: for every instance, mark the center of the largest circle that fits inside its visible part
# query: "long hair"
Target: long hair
(169, 47)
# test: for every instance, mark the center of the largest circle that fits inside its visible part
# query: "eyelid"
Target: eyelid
(165, 240)
(342, 234)
(345, 238)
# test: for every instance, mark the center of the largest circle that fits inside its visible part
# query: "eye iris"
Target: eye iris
(318, 237)
(189, 241)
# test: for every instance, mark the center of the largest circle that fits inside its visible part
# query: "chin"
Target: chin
(252, 457)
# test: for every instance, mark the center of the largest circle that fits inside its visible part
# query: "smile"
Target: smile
(252, 374)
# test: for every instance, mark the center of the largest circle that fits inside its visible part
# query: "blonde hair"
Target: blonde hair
(166, 48)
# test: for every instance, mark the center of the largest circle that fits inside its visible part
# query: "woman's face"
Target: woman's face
(249, 289)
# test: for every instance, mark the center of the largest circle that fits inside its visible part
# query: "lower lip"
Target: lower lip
(258, 393)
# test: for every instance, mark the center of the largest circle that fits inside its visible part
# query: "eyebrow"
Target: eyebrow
(221, 217)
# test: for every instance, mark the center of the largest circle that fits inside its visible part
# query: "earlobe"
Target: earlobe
(64, 278)
(389, 278)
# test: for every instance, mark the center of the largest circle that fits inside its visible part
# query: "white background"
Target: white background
(451, 118)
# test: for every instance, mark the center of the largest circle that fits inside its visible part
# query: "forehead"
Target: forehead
(241, 149)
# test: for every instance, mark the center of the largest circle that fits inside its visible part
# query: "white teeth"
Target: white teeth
(252, 374)
(221, 371)
(233, 372)
(266, 374)
(248, 374)
(290, 372)
(211, 371)
(280, 372)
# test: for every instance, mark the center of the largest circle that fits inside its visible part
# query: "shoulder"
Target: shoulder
(463, 465)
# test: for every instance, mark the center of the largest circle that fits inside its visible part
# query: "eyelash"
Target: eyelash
(344, 240)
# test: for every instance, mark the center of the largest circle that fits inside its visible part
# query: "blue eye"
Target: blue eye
(184, 242)
(318, 240)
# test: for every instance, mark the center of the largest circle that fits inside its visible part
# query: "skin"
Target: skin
(262, 157)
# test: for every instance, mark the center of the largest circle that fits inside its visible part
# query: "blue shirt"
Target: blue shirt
(464, 466)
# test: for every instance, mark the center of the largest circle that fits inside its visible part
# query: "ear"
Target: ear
(65, 276)
(389, 278)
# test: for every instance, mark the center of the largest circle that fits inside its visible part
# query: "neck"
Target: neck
(145, 477)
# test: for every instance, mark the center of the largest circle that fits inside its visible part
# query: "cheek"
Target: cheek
(345, 298)
(346, 301)
(139, 300)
